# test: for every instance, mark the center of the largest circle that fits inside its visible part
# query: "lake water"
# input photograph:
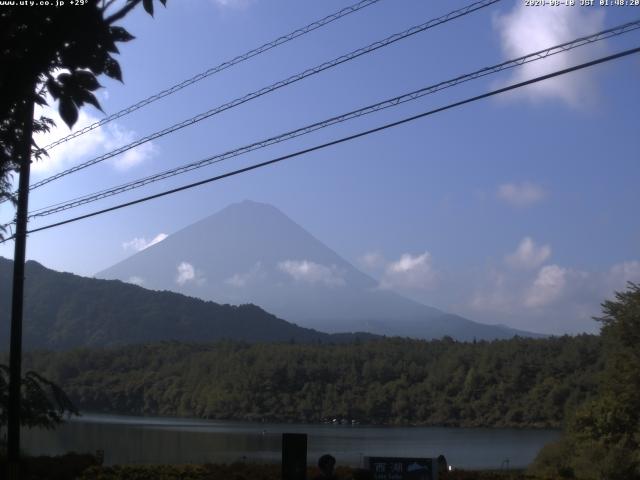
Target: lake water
(140, 440)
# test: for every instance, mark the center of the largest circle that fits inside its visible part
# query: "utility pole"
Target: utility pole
(15, 352)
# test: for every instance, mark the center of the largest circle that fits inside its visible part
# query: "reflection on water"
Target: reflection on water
(135, 440)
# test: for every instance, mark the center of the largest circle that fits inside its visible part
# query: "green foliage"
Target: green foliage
(59, 51)
(237, 471)
(65, 467)
(490, 475)
(43, 402)
(248, 471)
(80, 42)
(555, 460)
(519, 382)
(85, 467)
(602, 440)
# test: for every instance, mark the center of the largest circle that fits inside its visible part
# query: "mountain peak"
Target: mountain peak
(248, 206)
(247, 203)
(251, 252)
(250, 214)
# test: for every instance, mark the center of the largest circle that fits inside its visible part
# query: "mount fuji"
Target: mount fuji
(251, 252)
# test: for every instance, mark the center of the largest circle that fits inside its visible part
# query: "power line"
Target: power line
(218, 68)
(340, 140)
(407, 97)
(275, 86)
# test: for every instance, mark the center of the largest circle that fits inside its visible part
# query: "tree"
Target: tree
(44, 403)
(611, 423)
(59, 51)
(603, 438)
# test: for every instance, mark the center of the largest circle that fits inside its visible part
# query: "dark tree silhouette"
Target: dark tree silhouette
(602, 439)
(55, 50)
(60, 50)
(44, 403)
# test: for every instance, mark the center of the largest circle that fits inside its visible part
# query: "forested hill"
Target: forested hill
(518, 382)
(64, 311)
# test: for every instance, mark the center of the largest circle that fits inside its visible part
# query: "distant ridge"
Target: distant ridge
(64, 311)
(251, 252)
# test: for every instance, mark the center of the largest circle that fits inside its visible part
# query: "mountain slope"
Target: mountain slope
(64, 311)
(252, 253)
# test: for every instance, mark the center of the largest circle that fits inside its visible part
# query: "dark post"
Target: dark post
(294, 456)
(15, 352)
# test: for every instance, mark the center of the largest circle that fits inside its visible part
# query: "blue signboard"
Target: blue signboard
(400, 468)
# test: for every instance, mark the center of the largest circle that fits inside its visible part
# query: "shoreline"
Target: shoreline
(162, 440)
(194, 421)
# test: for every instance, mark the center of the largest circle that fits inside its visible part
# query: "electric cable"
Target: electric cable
(275, 86)
(389, 103)
(339, 141)
(217, 69)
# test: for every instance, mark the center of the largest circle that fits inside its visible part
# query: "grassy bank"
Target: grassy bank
(263, 472)
(85, 467)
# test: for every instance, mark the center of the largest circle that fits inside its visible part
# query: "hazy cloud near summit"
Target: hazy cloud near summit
(186, 273)
(243, 279)
(140, 243)
(409, 272)
(371, 260)
(311, 272)
(522, 194)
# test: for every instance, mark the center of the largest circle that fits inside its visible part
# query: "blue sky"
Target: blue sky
(518, 210)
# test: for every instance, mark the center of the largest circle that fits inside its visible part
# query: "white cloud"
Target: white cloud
(91, 144)
(136, 244)
(627, 271)
(119, 136)
(539, 297)
(68, 152)
(521, 195)
(552, 299)
(311, 272)
(524, 30)
(410, 272)
(157, 239)
(408, 263)
(136, 280)
(243, 279)
(621, 273)
(232, 3)
(548, 286)
(140, 243)
(186, 273)
(528, 254)
(371, 260)
(493, 296)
